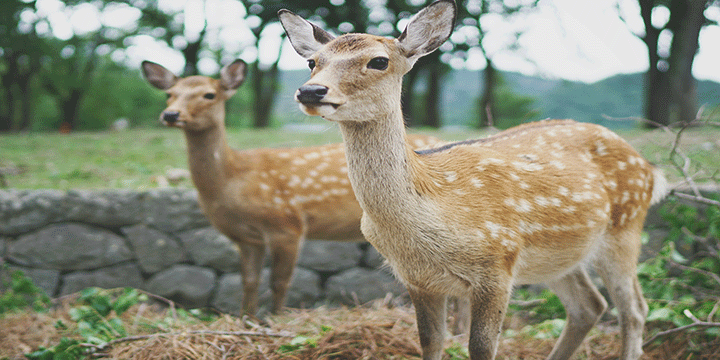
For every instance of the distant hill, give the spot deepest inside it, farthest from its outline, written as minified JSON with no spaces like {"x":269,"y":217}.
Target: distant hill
{"x":619,"y":96}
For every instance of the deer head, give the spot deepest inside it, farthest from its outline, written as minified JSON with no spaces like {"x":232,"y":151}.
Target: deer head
{"x":357,"y":77}
{"x":195,"y":103}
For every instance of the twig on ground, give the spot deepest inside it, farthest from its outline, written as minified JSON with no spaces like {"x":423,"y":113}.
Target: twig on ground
{"x":95,"y":348}
{"x":680,"y":328}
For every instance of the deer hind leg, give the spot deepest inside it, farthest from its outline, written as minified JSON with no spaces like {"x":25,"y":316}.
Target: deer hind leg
{"x":284,"y":252}
{"x":618,"y":267}
{"x":430,"y":311}
{"x":583,"y":304}
{"x":251,"y":263}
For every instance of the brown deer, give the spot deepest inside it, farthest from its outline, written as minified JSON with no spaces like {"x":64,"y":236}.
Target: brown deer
{"x":260,"y":198}
{"x":540,"y":202}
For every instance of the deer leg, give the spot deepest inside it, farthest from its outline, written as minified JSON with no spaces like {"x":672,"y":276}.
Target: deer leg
{"x":251,"y":263}
{"x":488,"y":306}
{"x":583,"y":304}
{"x":284,"y":251}
{"x":430,"y":311}
{"x":618,"y":269}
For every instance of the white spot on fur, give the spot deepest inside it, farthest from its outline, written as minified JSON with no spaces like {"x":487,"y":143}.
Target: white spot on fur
{"x":450,"y":176}
{"x":601,"y":149}
{"x":264,"y":186}
{"x":563,"y":191}
{"x":621,"y":165}
{"x":524,"y":166}
{"x":476,"y":182}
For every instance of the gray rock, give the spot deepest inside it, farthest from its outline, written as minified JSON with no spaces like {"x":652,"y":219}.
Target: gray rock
{"x":125,"y":275}
{"x":26,"y":210}
{"x":188,"y":285}
{"x":154,"y":250}
{"x":173,"y":210}
{"x":108,"y":208}
{"x":3,"y":246}
{"x":361,"y":286}
{"x":69,"y":247}
{"x":373,"y":259}
{"x":330,"y":256}
{"x":304,"y":291}
{"x":229,"y":294}
{"x":208,"y":247}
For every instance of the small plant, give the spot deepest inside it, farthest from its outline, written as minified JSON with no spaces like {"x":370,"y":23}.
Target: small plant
{"x":96,"y":320}
{"x":20,"y":292}
{"x":682,"y":286}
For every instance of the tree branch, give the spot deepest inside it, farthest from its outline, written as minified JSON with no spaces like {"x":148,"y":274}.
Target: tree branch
{"x":680,"y":328}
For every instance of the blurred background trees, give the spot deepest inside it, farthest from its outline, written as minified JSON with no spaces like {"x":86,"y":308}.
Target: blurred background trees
{"x":73,"y":64}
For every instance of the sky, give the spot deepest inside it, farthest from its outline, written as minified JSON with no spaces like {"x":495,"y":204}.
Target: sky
{"x":567,"y":39}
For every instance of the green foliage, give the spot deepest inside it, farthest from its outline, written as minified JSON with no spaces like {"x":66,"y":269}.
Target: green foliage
{"x":20,"y":292}
{"x":511,"y":108}
{"x":457,"y":351}
{"x":97,"y":321}
{"x":549,"y":308}
{"x":678,"y":282}
{"x":298,"y":343}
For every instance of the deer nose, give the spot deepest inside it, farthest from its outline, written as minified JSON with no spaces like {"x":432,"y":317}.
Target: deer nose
{"x":311,"y":93}
{"x":171,"y":116}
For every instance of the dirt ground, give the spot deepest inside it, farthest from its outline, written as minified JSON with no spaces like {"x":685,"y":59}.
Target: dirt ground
{"x":375,"y":331}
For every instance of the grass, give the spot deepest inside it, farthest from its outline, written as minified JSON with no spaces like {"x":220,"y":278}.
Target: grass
{"x":139,"y":158}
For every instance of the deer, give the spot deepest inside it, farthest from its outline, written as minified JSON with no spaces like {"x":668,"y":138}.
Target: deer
{"x":264,"y":200}
{"x":543,"y":202}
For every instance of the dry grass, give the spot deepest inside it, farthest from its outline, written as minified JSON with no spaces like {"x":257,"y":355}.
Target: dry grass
{"x":374,"y":331}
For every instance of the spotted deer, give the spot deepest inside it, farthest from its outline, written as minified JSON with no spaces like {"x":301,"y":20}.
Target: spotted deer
{"x":262,"y":199}
{"x":541,"y":202}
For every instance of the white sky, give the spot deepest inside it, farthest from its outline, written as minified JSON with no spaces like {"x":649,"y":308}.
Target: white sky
{"x":568,"y":39}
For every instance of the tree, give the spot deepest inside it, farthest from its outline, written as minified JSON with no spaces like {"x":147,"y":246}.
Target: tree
{"x":20,"y":49}
{"x":470,"y":18}
{"x":670,"y":88}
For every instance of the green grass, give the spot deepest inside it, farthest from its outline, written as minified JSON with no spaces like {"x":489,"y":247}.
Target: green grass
{"x":134,"y":159}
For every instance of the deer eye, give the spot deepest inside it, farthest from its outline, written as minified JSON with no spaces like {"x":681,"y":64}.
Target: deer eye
{"x":209,"y":96}
{"x":378,"y":63}
{"x":311,"y":64}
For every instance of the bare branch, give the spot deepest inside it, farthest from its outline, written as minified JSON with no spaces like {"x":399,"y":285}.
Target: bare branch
{"x":680,"y":328}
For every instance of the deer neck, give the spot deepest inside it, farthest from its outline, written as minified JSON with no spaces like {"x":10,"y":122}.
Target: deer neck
{"x":208,"y":156}
{"x":379,"y":166}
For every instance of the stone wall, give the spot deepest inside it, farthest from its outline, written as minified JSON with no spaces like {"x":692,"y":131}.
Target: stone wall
{"x":160,"y":241}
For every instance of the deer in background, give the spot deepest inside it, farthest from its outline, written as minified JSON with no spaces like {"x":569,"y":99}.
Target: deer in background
{"x":262,"y":199}
{"x":540,"y":202}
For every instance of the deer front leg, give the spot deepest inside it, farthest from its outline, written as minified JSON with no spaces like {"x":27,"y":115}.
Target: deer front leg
{"x":487,"y":311}
{"x":284,"y":250}
{"x":430,"y":311}
{"x":251,"y":256}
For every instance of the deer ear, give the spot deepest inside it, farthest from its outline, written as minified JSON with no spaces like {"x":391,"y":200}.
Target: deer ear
{"x":428,"y":29}
{"x":158,"y":76}
{"x":232,"y":76}
{"x":305,"y":37}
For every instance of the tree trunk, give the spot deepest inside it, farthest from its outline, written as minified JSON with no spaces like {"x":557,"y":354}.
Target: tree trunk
{"x":432,"y":98}
{"x":487,"y":101}
{"x":265,"y":84}
{"x":657,"y":96}
{"x":688,"y":19}
{"x":408,"y":96}
{"x":70,"y":110}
